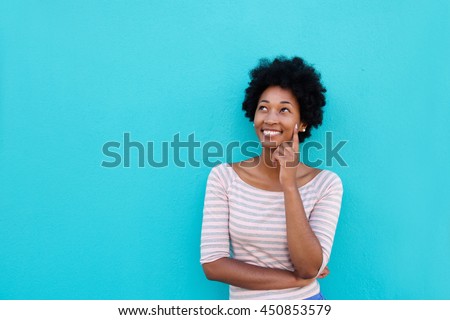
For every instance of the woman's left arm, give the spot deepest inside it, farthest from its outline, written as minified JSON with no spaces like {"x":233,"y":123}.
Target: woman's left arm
{"x":309,"y":242}
{"x":304,"y":248}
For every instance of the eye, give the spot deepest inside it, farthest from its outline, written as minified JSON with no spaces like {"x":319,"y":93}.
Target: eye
{"x":262,"y":108}
{"x":284,"y":110}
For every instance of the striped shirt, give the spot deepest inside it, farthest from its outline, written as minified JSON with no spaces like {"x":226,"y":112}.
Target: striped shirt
{"x":249,"y":224}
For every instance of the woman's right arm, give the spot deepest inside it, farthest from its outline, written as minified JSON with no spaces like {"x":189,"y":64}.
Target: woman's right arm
{"x":215,"y":245}
{"x":244,"y":275}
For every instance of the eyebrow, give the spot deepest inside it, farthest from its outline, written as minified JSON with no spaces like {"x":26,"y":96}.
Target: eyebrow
{"x":280,"y":101}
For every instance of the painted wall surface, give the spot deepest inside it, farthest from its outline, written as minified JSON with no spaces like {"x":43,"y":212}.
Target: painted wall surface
{"x":75,"y":75}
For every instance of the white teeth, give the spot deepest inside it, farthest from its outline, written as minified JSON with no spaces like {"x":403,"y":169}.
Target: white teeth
{"x":271,"y":133}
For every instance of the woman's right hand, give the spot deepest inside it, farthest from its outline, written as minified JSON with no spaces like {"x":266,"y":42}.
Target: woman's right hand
{"x":304,"y":282}
{"x":325,"y":272}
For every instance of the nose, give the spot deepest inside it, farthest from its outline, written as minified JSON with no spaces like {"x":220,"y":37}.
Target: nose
{"x":271,"y":118}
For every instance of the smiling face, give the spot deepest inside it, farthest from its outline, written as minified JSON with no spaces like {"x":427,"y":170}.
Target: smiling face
{"x":276,"y":115}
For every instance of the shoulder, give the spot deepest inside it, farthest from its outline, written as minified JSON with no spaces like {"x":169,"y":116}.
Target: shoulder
{"x":221,"y":173}
{"x":223,"y":168}
{"x":333,"y":177}
{"x":328,"y":181}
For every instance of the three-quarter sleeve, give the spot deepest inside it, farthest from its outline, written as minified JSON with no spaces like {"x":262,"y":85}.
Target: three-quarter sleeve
{"x":325,"y":214}
{"x":215,"y":239}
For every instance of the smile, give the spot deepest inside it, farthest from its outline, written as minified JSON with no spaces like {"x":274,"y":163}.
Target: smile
{"x":271,"y":133}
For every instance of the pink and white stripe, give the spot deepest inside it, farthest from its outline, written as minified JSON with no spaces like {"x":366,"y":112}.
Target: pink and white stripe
{"x":251,"y":222}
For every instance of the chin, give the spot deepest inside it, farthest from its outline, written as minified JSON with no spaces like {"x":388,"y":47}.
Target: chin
{"x":270,"y":144}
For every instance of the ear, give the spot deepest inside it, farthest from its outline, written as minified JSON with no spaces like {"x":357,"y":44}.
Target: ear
{"x":302,"y":127}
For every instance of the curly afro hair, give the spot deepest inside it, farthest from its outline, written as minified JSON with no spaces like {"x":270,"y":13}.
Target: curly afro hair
{"x":294,"y":74}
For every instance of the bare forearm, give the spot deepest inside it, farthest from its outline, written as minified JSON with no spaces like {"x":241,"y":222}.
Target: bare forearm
{"x":304,"y":247}
{"x":244,"y":275}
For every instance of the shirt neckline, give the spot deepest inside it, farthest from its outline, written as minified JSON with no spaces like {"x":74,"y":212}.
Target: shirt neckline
{"x":264,"y":190}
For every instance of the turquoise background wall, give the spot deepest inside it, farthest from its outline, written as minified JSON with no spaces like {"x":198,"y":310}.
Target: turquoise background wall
{"x":75,"y":75}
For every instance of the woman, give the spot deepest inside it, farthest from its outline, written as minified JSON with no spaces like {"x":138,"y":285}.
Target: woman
{"x":269,"y":221}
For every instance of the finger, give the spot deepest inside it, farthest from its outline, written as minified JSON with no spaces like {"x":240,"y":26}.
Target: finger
{"x":286,"y":147}
{"x":290,"y":156}
{"x":323,"y":275}
{"x":295,"y":140}
{"x":278,"y":158}
{"x":281,"y":148}
{"x":274,"y":157}
{"x":286,"y":144}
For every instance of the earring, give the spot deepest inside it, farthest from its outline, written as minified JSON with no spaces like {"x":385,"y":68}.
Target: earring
{"x":304,"y":129}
